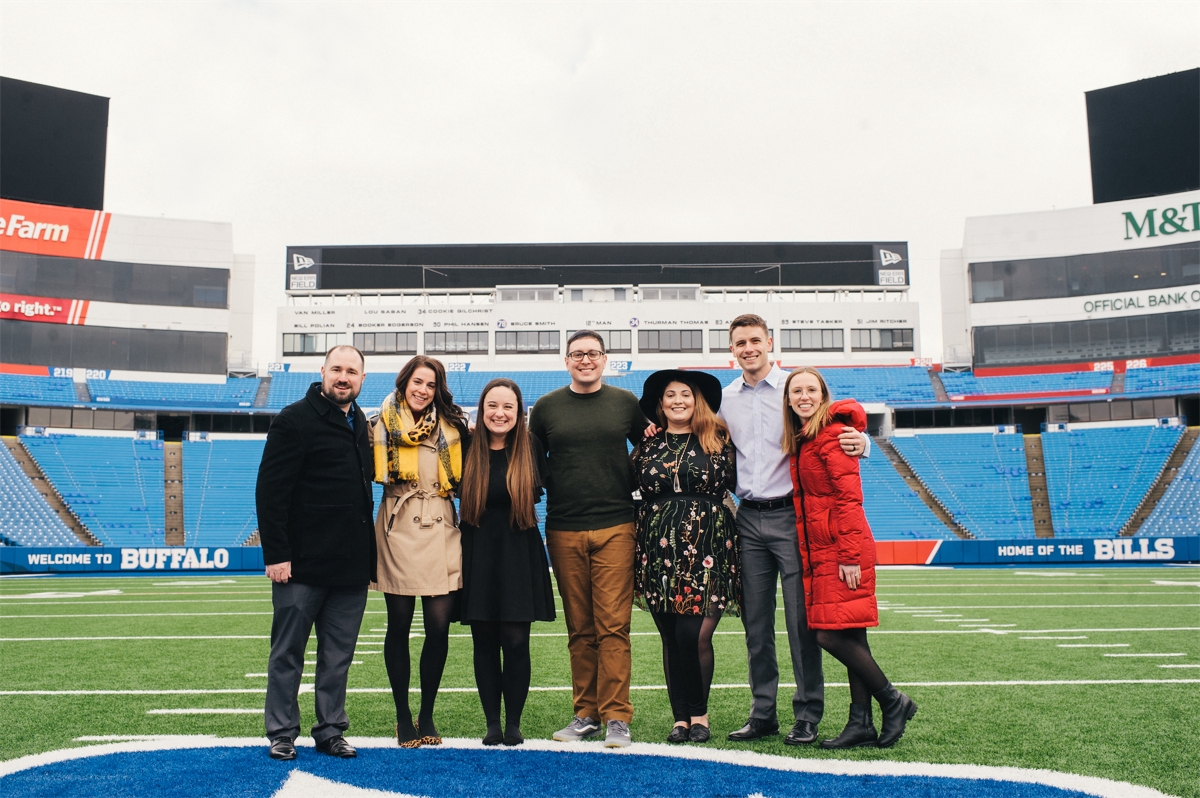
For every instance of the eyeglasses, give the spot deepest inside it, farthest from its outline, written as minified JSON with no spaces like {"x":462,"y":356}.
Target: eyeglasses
{"x":592,"y":354}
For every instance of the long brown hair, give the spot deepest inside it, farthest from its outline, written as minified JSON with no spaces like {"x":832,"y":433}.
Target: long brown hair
{"x":707,"y":426}
{"x":793,"y":430}
{"x":522,"y":479}
{"x":443,"y":400}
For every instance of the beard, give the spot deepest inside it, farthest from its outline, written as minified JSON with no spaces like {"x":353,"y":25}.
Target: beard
{"x":340,"y":393}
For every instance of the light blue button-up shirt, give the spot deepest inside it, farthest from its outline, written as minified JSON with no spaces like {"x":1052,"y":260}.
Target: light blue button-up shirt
{"x":754,"y":416}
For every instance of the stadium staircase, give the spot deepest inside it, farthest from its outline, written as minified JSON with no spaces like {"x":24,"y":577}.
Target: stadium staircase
{"x":82,"y":392}
{"x":44,"y":487}
{"x":173,"y":493}
{"x":264,"y":392}
{"x":1164,"y":481}
{"x":939,"y":390}
{"x":1118,"y":383}
{"x":919,"y":488}
{"x":1035,"y":468}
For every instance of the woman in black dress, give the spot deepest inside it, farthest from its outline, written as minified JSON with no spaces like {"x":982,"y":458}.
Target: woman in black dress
{"x":506,"y":578}
{"x":687,"y":570}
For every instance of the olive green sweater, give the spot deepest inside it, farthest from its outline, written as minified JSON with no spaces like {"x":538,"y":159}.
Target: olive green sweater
{"x":589,"y":482}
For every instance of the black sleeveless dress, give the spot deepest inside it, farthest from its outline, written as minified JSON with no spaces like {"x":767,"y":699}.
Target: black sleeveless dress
{"x":506,"y":576}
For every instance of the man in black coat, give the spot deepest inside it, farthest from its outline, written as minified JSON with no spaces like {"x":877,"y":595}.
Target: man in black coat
{"x":315,"y":513}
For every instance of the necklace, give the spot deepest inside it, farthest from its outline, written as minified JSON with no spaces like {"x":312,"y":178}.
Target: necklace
{"x":679,"y":462}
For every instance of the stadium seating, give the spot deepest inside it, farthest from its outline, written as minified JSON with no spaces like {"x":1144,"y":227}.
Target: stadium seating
{"x":218,"y":491}
{"x":25,"y":517}
{"x":234,"y":393}
{"x":1164,"y":380}
{"x":979,"y":477}
{"x":894,"y":510}
{"x":1097,"y":477}
{"x":963,"y":383}
{"x":114,"y":485}
{"x":1178,"y":511}
{"x":901,"y":385}
{"x":20,"y":389}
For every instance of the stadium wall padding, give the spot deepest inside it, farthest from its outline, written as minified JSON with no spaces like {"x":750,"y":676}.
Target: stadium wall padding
{"x":208,"y":560}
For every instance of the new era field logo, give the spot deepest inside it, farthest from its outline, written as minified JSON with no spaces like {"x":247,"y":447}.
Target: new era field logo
{"x":886,"y":257}
{"x":300,"y":262}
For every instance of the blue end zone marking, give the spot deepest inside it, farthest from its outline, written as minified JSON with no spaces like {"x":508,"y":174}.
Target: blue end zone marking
{"x":437,"y":772}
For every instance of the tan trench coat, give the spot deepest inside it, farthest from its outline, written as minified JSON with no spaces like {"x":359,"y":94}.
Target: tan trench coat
{"x":416,"y":533}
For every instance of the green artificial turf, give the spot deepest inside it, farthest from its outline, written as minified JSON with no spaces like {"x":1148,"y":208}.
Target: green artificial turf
{"x":937,"y":627}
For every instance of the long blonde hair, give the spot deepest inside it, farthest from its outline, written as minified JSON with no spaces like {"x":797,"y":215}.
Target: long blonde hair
{"x":708,"y":428}
{"x":794,"y":431}
{"x":522,"y":478}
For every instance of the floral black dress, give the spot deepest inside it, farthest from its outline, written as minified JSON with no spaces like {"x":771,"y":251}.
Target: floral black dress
{"x":687,"y":548}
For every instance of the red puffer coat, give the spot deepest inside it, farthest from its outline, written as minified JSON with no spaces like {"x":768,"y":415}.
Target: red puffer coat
{"x":833,"y":528}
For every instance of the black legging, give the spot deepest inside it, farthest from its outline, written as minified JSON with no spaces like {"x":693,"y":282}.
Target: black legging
{"x":687,"y":661}
{"x":849,"y":647}
{"x":437,"y":612}
{"x":510,"y":680}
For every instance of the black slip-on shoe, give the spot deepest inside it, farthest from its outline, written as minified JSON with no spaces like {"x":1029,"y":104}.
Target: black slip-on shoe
{"x":282,"y":748}
{"x":337,"y":746}
{"x":754,"y":729}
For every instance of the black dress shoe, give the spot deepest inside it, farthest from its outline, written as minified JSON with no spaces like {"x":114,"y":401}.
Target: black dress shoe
{"x":754,"y":729}
{"x":679,"y":734}
{"x":337,"y":746}
{"x":282,"y":748}
{"x":803,"y":733}
{"x":699,"y":733}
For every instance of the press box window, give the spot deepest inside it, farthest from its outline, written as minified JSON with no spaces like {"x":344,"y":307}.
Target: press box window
{"x":718,"y":340}
{"x":881,"y":340}
{"x":670,"y":340}
{"x":614,"y":340}
{"x":669,"y":295}
{"x":527,"y":343}
{"x":528,"y":294}
{"x":817,"y":340}
{"x":311,"y":343}
{"x":404,"y":343}
{"x":455,"y":342}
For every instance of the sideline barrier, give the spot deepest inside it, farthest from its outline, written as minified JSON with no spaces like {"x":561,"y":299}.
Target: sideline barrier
{"x":160,"y":559}
{"x":1027,"y":551}
{"x":201,"y":559}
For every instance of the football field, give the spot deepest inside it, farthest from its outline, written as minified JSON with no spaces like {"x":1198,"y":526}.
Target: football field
{"x":1085,"y":671}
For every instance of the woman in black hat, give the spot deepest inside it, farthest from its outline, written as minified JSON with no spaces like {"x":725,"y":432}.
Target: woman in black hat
{"x":687,"y":573}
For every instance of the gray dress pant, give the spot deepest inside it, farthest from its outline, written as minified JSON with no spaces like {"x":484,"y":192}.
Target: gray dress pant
{"x":337,"y":613}
{"x":770,"y":553}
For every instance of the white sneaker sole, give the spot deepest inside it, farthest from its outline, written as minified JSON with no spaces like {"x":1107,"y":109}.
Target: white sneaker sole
{"x":571,"y":738}
{"x":610,"y":743}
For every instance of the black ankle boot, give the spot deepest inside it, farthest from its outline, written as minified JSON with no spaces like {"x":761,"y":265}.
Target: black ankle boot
{"x":860,"y":730}
{"x":897,"y":710}
{"x":494,"y":736}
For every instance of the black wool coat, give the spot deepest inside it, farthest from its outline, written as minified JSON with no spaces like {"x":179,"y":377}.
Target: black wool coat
{"x":315,"y":507}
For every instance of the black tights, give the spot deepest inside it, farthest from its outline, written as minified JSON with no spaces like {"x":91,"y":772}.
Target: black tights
{"x":687,"y":661}
{"x":510,"y":680}
{"x":437,"y":612}
{"x":849,"y":647}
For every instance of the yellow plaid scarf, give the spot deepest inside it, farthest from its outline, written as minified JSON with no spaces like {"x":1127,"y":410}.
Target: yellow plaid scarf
{"x":395,"y":437}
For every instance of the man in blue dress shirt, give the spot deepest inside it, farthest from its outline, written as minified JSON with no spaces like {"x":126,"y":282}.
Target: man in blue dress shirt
{"x":752,"y":407}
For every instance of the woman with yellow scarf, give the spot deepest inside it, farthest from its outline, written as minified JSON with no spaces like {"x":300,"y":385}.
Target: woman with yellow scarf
{"x":418,"y":443}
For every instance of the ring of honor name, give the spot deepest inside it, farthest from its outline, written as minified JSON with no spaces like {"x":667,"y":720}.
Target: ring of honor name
{"x":176,"y":765}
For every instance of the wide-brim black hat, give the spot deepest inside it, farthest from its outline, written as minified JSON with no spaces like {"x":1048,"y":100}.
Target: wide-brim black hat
{"x":652,"y":390}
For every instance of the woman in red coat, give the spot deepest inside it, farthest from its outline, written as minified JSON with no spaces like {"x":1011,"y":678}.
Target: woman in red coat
{"x":837,"y":553}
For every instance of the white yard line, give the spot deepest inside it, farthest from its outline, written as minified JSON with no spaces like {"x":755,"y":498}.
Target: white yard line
{"x":1093,"y":645}
{"x":1072,"y":637}
{"x":1176,"y":654}
{"x":956,"y":619}
{"x":231,"y":711}
{"x":1181,"y":665}
{"x":568,"y":688}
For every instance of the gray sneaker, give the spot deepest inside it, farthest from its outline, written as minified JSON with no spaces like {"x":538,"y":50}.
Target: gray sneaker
{"x":578,"y":729}
{"x":618,"y":734}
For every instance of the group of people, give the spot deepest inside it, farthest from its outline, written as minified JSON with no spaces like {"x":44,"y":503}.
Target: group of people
{"x":659,"y":528}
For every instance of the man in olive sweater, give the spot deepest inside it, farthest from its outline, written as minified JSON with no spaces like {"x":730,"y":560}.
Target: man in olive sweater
{"x":590,"y":533}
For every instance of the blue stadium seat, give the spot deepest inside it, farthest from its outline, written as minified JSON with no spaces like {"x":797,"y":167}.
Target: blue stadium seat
{"x":1164,"y":380}
{"x":963,"y":383}
{"x":25,"y":517}
{"x":233,"y":394}
{"x":114,"y":485}
{"x":1097,"y":477}
{"x":218,"y":491}
{"x":19,"y":389}
{"x":894,"y":510}
{"x":1178,"y":511}
{"x":979,"y":477}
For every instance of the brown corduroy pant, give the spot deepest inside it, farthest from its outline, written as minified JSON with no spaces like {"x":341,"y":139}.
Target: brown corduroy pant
{"x":594,"y":571}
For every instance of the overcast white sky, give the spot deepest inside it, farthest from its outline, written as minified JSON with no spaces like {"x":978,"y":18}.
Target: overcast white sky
{"x":391,"y":123}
